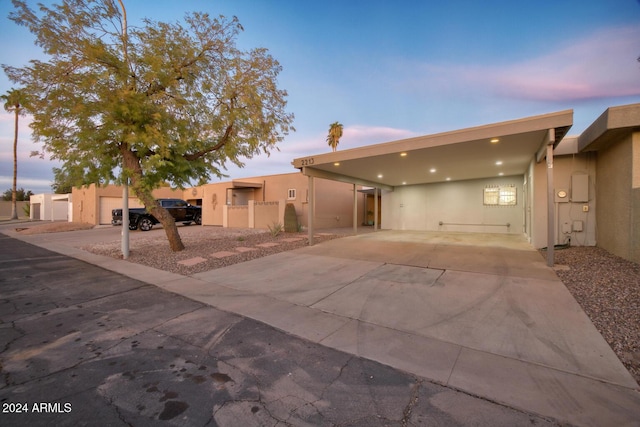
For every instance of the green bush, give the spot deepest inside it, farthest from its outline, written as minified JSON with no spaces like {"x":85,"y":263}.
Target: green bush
{"x":290,"y":219}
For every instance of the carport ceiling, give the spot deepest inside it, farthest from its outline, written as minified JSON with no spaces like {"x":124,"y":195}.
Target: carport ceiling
{"x":504,"y":148}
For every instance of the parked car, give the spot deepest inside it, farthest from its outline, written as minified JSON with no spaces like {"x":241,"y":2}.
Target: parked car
{"x":140,"y":219}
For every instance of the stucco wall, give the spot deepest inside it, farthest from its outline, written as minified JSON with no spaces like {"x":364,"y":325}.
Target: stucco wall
{"x":565,"y":213}
{"x":423,"y":207}
{"x":614,"y":194}
{"x":334,"y":200}
{"x":5,"y":208}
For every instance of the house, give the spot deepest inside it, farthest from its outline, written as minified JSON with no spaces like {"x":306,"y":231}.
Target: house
{"x":522,"y":176}
{"x":256,"y":202}
{"x":246,"y":202}
{"x":51,"y":207}
{"x":92,"y":204}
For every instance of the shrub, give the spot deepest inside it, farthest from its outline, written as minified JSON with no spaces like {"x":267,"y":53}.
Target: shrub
{"x":275,"y":229}
{"x":290,"y":218}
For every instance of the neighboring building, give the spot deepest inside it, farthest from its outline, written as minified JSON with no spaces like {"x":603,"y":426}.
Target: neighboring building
{"x":520,"y":176}
{"x":230,"y":204}
{"x":51,"y":207}
{"x":92,"y":204}
{"x":256,"y":202}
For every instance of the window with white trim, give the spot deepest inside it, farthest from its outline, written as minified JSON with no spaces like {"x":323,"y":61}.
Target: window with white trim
{"x":291,"y":194}
{"x":500,"y":195}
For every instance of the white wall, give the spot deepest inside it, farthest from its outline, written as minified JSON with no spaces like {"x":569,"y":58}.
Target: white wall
{"x":53,"y":207}
{"x":423,"y":207}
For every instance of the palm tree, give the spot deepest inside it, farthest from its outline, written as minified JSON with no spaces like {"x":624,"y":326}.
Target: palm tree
{"x":14,"y":100}
{"x":335,"y":133}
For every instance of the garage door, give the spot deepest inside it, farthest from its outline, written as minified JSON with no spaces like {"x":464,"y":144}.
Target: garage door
{"x":107,"y":204}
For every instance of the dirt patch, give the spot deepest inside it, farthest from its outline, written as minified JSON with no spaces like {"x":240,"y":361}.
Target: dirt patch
{"x":53,"y":227}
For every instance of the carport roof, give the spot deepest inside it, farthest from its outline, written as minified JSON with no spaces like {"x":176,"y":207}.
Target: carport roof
{"x":469,"y":153}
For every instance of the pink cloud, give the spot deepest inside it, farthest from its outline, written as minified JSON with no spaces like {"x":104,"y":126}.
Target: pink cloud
{"x":600,"y":66}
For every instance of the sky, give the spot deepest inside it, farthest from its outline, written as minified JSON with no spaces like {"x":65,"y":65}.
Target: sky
{"x":389,"y":70}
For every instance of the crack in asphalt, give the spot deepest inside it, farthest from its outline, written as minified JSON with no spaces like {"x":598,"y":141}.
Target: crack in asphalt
{"x":406,"y":413}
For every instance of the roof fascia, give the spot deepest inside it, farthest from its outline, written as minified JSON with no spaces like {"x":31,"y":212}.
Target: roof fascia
{"x":613,"y":118}
{"x":561,"y":119}
{"x":319,"y":173}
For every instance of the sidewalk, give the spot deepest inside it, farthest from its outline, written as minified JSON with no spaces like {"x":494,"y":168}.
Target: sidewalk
{"x":479,"y":313}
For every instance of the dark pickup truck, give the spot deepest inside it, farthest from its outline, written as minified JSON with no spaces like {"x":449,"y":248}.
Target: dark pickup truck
{"x":139,"y":218}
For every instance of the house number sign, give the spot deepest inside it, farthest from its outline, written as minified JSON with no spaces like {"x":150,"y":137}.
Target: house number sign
{"x":307,"y":162}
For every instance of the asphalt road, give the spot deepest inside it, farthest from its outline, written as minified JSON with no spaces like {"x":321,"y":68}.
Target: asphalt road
{"x":80,"y":345}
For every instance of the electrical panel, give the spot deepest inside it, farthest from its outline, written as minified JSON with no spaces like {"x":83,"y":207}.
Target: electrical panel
{"x":580,"y":188}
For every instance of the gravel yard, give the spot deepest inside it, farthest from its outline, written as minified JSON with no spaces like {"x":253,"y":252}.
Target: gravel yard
{"x":607,"y":288}
{"x":206,"y":248}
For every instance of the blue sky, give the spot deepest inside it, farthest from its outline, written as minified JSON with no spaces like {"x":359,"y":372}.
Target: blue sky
{"x":394,"y":69}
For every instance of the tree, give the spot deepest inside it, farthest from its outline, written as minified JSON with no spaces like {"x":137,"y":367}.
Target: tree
{"x":62,"y":181}
{"x":335,"y":133}
{"x":20,"y":195}
{"x":14,"y":102}
{"x":163,"y":102}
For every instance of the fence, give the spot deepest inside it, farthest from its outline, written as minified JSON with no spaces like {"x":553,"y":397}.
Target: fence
{"x":254,"y":215}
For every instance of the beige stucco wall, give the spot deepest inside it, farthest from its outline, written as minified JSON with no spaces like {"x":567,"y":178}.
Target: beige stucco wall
{"x":565,"y":213}
{"x":5,"y":208}
{"x":266,"y":214}
{"x":334,"y":200}
{"x":617,"y":200}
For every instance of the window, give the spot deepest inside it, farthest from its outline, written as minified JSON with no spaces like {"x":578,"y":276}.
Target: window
{"x":291,"y":194}
{"x":500,"y":195}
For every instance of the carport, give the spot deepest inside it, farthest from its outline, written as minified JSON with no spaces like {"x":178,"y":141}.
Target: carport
{"x":502,"y":149}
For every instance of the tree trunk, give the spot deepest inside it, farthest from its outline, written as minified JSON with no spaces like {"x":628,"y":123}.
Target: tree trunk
{"x":132,"y":164}
{"x":14,"y":207}
{"x":170,"y":229}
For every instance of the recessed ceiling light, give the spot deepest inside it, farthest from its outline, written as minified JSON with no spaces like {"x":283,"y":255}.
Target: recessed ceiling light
{"x":404,"y":182}
{"x":336,"y":164}
{"x":403,"y":154}
{"x":499,"y":162}
{"x":379,"y":175}
{"x":495,"y":140}
{"x":448,"y":179}
{"x":432,"y":170}
{"x":501,"y":174}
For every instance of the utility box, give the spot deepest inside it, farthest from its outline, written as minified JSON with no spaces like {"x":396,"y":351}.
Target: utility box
{"x":578,"y":226}
{"x":580,"y":188}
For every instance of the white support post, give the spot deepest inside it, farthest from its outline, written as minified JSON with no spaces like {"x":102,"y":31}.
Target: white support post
{"x":355,"y":209}
{"x":551,"y":223}
{"x":125,"y":219}
{"x":375,"y":209}
{"x":311,"y":213}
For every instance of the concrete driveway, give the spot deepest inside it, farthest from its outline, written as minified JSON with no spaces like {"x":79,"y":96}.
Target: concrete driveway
{"x":480,"y":313}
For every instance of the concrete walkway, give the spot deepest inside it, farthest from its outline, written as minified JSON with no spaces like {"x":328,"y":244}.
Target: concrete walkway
{"x":480,"y":313}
